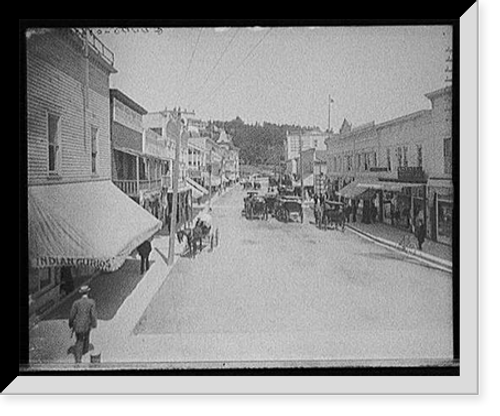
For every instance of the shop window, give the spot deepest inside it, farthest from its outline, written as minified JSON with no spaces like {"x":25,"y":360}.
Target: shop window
{"x":53,"y":137}
{"x":40,"y":279}
{"x":444,"y":220}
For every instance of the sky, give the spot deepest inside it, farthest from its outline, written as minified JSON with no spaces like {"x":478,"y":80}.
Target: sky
{"x":282,"y":74}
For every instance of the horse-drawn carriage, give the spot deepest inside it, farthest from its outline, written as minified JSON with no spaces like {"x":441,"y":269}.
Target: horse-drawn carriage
{"x":329,"y":214}
{"x":288,"y":208}
{"x":203,"y":234}
{"x":254,"y":206}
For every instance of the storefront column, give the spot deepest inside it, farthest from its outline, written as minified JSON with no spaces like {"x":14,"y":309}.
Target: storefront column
{"x":424,"y":196}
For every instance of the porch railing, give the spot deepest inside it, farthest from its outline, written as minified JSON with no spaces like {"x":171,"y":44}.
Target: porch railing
{"x":132,"y":187}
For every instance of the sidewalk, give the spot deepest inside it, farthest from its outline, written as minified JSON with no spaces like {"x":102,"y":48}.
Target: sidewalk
{"x":121,"y":298}
{"x":433,"y":252}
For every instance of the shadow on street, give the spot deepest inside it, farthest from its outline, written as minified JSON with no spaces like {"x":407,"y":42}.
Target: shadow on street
{"x":109,"y":290}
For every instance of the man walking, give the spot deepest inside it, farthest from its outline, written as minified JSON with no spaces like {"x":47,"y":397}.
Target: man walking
{"x":83,"y":317}
{"x":144,"y":249}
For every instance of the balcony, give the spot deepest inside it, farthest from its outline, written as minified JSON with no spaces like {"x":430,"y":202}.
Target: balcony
{"x":132,"y":187}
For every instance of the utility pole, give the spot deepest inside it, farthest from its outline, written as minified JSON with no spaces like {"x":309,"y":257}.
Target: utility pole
{"x":210,"y":179}
{"x":175,"y":179}
{"x":301,"y":170}
{"x":176,"y":129}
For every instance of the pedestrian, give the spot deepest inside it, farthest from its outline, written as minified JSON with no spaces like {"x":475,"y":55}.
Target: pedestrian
{"x":144,"y":249}
{"x":82,"y":319}
{"x":348,"y":211}
{"x":420,"y":229}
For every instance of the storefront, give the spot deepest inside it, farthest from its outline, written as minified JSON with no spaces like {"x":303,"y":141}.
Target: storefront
{"x":441,"y":210}
{"x":80,"y":227}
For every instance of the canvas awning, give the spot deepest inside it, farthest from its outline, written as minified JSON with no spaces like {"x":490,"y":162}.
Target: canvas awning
{"x":354,"y":191}
{"x":308,"y":181}
{"x":391,"y":186}
{"x":85,"y":224}
{"x":365,"y":188}
{"x":195,"y":191}
{"x":197,"y":186}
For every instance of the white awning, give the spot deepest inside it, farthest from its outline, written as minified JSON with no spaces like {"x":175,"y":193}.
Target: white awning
{"x":85,"y":224}
{"x":308,"y":181}
{"x":197,"y":186}
{"x":195,"y":192}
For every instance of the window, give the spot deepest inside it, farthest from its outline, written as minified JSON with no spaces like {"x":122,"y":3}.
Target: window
{"x":40,"y":279}
{"x":375,"y":161}
{"x":93,"y":138}
{"x":405,"y":156}
{"x":53,"y":135}
{"x":419,"y":155}
{"x":399,"y":155}
{"x":389,"y":159}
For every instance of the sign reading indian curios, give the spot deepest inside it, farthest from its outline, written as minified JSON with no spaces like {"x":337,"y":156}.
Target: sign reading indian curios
{"x":47,"y":261}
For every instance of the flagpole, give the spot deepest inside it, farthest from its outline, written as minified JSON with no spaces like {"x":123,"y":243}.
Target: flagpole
{"x":329,"y":104}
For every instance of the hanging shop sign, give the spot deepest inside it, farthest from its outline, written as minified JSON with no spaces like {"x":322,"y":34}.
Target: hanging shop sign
{"x":411,"y":174}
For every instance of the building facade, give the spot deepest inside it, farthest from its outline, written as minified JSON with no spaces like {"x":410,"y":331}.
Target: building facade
{"x":311,"y":139}
{"x":72,"y":203}
{"x":142,"y":158}
{"x":406,"y":162}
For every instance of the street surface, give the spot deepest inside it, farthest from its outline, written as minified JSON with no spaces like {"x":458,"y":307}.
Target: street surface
{"x":276,"y":291}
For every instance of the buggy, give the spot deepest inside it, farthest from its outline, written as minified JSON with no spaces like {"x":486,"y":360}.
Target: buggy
{"x":332,"y":213}
{"x":288,"y":209}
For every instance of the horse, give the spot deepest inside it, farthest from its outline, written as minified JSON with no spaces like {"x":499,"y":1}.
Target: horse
{"x":194,"y":237}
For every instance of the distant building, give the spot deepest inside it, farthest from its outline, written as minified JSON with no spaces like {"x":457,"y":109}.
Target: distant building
{"x":311,"y":139}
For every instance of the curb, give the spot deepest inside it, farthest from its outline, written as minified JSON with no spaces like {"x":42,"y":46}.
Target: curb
{"x":448,"y":265}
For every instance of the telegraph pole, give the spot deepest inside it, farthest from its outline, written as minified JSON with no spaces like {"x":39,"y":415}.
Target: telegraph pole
{"x":179,"y":127}
{"x":176,"y":119}
{"x":210,"y":180}
{"x":301,"y":169}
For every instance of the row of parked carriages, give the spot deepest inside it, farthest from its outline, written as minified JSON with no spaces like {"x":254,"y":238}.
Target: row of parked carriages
{"x":283,"y":207}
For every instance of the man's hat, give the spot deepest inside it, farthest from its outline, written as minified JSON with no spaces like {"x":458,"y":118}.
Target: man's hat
{"x":84,"y":289}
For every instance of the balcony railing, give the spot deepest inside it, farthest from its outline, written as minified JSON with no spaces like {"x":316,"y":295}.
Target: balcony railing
{"x":132,"y":187}
{"x":97,"y":46}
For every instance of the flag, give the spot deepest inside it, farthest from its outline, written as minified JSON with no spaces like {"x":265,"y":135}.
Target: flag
{"x":184,"y":137}
{"x":174,"y":127}
{"x":331,"y":100}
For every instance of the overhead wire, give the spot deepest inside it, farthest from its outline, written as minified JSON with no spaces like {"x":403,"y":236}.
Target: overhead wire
{"x":179,"y":95}
{"x":216,"y":89}
{"x":211,"y":71}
